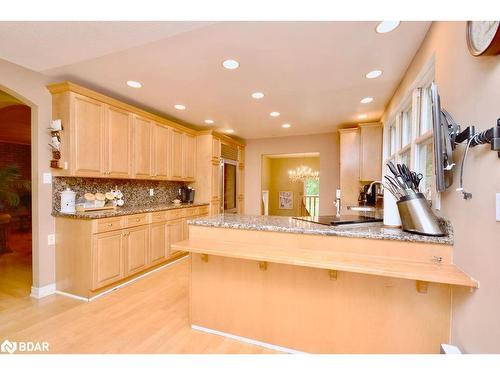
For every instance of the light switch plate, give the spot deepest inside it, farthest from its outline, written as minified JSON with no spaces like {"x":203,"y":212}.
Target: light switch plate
{"x":498,"y":206}
{"x":47,"y":178}
{"x":51,"y":239}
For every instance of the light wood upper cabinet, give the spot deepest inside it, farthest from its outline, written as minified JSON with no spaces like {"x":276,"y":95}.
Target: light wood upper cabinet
{"x":161,"y":152}
{"x":189,"y":156}
{"x":215,"y":148}
{"x":159,"y":243}
{"x":176,"y":169}
{"x":107,"y":259}
{"x":142,"y":129}
{"x":88,"y":136}
{"x":118,"y":143}
{"x":137,"y":242}
{"x":349,"y":166}
{"x":370,"y":156}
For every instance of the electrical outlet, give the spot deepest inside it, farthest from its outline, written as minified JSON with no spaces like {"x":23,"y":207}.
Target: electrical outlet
{"x":47,"y":178}
{"x":151,"y":192}
{"x":498,"y":206}
{"x":51,"y":239}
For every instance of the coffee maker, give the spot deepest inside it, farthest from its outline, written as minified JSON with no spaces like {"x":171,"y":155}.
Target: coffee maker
{"x":186,"y":194}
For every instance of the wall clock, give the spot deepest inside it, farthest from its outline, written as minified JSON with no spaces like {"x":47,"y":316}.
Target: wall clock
{"x":483,"y":37}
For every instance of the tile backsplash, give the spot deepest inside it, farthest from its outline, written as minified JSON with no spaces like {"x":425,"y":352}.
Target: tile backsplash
{"x":135,"y":192}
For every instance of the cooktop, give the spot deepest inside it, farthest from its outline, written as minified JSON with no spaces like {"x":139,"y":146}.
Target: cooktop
{"x":339,"y":220}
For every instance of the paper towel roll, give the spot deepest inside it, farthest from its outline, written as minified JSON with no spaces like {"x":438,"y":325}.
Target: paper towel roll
{"x":391,"y":213}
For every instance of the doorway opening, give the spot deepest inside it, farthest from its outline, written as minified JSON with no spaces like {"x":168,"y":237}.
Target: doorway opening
{"x":15,"y":197}
{"x":290,"y":184}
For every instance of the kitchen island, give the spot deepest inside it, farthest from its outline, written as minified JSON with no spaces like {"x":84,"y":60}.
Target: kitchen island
{"x":300,"y":286}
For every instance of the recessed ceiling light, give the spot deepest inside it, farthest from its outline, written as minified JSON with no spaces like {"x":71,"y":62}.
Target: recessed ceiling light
{"x":258,"y":95}
{"x":367,"y":100}
{"x":209,"y":121}
{"x":230,"y":131}
{"x":386,"y":26}
{"x":373,"y":74}
{"x":286,"y":126}
{"x":362,"y":116}
{"x":180,"y":107}
{"x":134,"y":84}
{"x":274,"y":114}
{"x":230,"y":64}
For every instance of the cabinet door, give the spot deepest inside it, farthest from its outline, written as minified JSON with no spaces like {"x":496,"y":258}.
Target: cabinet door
{"x":142,"y":147}
{"x":176,"y":141}
{"x":370,"y":157}
{"x":189,"y":157}
{"x":159,"y":243}
{"x":161,"y":152}
{"x":88,"y":135}
{"x":107,"y":259}
{"x":215,"y":148}
{"x":137,"y":245}
{"x":349,"y":167}
{"x":118,"y":139}
{"x":176,"y":233}
{"x":216,"y":183}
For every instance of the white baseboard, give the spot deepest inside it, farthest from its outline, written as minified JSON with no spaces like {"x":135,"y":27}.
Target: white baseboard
{"x":247,"y":340}
{"x":80,"y":298}
{"x":43,"y":291}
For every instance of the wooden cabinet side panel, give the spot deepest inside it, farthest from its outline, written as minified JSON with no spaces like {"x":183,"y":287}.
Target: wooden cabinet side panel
{"x":73,"y":255}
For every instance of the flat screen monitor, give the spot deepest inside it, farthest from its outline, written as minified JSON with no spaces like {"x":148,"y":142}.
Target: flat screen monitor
{"x":443,"y":162}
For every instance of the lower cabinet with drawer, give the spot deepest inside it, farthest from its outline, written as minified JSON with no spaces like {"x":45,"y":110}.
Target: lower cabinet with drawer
{"x":92,"y":255}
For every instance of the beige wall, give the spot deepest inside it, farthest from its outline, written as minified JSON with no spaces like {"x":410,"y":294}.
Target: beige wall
{"x":29,"y":87}
{"x":470,"y":91}
{"x":326,"y":144}
{"x":278,"y":181}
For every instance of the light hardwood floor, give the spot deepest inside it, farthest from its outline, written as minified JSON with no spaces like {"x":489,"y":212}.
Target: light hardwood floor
{"x":147,"y":316}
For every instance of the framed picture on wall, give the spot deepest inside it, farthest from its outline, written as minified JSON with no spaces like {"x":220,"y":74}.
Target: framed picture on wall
{"x":286,"y":200}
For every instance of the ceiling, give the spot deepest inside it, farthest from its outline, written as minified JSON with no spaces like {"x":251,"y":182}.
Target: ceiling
{"x":313,"y":73}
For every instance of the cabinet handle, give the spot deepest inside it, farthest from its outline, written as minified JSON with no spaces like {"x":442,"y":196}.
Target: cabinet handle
{"x":137,"y":219}
{"x":110,"y":224}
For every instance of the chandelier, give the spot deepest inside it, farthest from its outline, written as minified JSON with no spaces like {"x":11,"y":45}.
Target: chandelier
{"x":302,"y":173}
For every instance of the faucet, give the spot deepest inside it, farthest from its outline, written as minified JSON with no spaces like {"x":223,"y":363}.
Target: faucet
{"x":371,"y":186}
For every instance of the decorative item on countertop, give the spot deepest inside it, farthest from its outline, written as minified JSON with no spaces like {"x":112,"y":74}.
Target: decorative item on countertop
{"x":68,"y":201}
{"x":414,"y":210}
{"x":55,"y":143}
{"x":99,"y":201}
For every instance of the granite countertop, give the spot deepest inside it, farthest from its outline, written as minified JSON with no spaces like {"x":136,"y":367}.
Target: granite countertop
{"x":126,"y":210}
{"x":289,"y":225}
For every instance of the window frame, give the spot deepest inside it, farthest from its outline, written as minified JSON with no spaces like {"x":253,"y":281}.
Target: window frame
{"x":412,"y":99}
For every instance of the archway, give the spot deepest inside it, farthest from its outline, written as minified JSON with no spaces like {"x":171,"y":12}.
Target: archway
{"x":17,"y":188}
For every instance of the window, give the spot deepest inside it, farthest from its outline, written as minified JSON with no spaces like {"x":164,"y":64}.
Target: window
{"x":406,"y":127}
{"x":426,"y":123}
{"x":426,"y":167}
{"x":413,"y":123}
